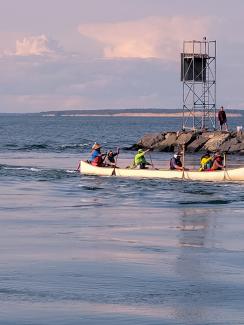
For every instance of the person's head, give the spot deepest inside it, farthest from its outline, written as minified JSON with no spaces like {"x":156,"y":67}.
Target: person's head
{"x":96,"y":146}
{"x":140,"y":151}
{"x":221,"y":108}
{"x":207,"y":154}
{"x":177,"y":155}
{"x":219,"y":158}
{"x":218,"y":155}
{"x":110,"y":153}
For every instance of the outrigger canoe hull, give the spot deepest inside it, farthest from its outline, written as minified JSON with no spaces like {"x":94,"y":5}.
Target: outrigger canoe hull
{"x":233,"y":175}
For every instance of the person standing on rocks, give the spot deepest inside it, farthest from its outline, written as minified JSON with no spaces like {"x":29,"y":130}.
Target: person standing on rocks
{"x":222,"y":119}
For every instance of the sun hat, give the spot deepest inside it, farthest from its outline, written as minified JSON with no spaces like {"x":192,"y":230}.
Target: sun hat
{"x":96,"y":146}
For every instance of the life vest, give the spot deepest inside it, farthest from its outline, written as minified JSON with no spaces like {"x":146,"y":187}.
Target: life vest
{"x":206,"y":163}
{"x":97,"y":161}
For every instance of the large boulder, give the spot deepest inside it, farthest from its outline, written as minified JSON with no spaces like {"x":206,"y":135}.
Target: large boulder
{"x":239,"y":135}
{"x":228,"y":144}
{"x":232,"y":142}
{"x":168,"y":143}
{"x":184,"y":138}
{"x":237,"y":147}
{"x":150,"y":140}
{"x":198,"y":143}
{"x":214,"y":143}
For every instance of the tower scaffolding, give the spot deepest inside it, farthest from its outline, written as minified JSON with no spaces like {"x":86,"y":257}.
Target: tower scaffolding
{"x":198,"y":74}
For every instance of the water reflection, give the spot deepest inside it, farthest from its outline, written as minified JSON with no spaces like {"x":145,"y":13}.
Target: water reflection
{"x":196,"y":227}
{"x":196,"y":236}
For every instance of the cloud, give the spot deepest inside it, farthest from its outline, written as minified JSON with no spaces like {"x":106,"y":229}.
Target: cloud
{"x":40,"y":83}
{"x":36,"y":45}
{"x":151,"y":37}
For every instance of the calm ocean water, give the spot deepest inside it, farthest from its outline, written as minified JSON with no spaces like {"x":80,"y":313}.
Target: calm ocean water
{"x":96,"y":250}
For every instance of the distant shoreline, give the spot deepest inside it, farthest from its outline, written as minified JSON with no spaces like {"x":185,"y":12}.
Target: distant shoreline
{"x":179,"y":114}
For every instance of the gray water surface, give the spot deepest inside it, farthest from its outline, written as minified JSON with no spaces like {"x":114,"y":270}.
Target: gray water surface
{"x":99,"y":250}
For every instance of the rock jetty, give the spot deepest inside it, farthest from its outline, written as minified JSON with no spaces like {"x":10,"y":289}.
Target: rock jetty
{"x":231,"y":142}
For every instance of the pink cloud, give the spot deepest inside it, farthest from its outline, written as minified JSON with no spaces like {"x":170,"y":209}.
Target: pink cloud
{"x":152,"y":37}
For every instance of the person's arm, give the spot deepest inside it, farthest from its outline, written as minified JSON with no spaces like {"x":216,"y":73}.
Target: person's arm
{"x":224,"y":117}
{"x":219,"y":165}
{"x":176,"y":166}
{"x":139,"y":155}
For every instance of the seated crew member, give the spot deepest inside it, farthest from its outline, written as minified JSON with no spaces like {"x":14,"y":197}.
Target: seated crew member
{"x":97,"y":156}
{"x":206,"y":162}
{"x":175,"y":162}
{"x":109,"y":160}
{"x":217,"y":162}
{"x":140,"y":160}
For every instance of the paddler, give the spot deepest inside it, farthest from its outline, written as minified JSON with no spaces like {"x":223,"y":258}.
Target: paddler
{"x":140,"y":160}
{"x":109,"y":160}
{"x":175,"y":162}
{"x":97,"y":157}
{"x":206,"y":162}
{"x":218,"y":162}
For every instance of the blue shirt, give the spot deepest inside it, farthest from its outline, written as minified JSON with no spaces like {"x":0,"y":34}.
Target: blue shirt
{"x":95,"y":153}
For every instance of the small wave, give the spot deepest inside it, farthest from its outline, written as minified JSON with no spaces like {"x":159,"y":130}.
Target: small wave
{"x":21,"y":168}
{"x":91,"y":188}
{"x":41,"y":174}
{"x":10,"y":145}
{"x":53,"y":147}
{"x":214,"y":202}
{"x":71,"y":146}
{"x":26,"y":147}
{"x":33,"y":147}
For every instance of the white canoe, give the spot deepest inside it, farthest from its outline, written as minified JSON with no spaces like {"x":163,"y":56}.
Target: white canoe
{"x":236,"y":174}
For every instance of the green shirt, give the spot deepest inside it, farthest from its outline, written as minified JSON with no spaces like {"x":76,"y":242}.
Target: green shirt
{"x":140,"y":159}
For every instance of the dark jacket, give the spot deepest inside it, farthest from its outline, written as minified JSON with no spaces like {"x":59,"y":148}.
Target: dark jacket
{"x":222,"y":117}
{"x":174,"y":162}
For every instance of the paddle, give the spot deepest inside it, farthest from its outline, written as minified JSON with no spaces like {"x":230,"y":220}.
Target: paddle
{"x":152,"y":161}
{"x":115,"y":165}
{"x":225,"y":171}
{"x":78,"y":167}
{"x":225,"y":161}
{"x":183,"y":162}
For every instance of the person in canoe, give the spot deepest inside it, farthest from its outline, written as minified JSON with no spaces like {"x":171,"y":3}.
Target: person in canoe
{"x":97,"y":157}
{"x":206,"y":162}
{"x":109,"y":160}
{"x":175,"y":162}
{"x":218,"y":162}
{"x":140,"y":160}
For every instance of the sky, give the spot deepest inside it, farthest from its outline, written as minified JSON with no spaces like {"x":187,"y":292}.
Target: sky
{"x":98,"y":54}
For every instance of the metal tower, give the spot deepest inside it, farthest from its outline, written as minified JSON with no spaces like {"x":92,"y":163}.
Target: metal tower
{"x":198,"y":74}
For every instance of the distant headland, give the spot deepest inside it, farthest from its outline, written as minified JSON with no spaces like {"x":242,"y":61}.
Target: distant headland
{"x":136,"y":112}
